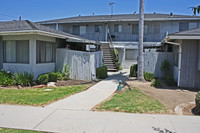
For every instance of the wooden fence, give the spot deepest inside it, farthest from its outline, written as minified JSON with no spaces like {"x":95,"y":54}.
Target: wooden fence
{"x":82,"y":64}
{"x":153,"y":60}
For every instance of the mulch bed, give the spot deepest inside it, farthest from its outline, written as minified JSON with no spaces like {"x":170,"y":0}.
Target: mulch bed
{"x":190,"y":110}
{"x":69,"y":82}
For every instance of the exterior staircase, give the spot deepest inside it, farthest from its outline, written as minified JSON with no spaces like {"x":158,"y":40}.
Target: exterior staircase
{"x":108,"y":59}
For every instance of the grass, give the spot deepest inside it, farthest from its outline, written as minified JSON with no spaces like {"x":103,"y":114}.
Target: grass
{"x":37,"y":96}
{"x":6,"y":130}
{"x":133,"y":101}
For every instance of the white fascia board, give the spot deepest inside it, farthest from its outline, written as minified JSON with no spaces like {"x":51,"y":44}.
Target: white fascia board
{"x":123,"y":20}
{"x":170,"y":37}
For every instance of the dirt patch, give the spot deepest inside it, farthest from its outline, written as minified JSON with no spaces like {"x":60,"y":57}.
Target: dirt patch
{"x":190,"y":110}
{"x":170,"y":97}
{"x":69,"y":82}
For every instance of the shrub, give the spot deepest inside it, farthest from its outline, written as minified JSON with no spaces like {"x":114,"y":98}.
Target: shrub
{"x":133,"y":70}
{"x":66,"y":72}
{"x":148,"y":76}
{"x":197,"y":101}
{"x":119,"y":67}
{"x":156,"y":83}
{"x":170,"y":80}
{"x":59,"y":75}
{"x":24,"y":79}
{"x":101,"y":72}
{"x":6,"y":79}
{"x":52,"y":77}
{"x":116,"y":55}
{"x":43,"y":78}
{"x":165,"y":67}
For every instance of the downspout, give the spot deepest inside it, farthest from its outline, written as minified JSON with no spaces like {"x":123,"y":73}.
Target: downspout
{"x":179,"y":64}
{"x":56,"y":26}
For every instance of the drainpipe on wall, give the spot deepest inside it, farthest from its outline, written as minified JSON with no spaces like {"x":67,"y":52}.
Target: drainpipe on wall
{"x":179,"y":64}
{"x":56,"y":26}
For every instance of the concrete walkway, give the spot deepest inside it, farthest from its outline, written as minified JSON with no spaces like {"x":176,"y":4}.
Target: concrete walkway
{"x":63,"y":116}
{"x":86,"y":100}
{"x":66,"y":121}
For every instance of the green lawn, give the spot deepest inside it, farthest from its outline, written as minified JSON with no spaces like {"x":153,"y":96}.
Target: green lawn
{"x":133,"y":101}
{"x":6,"y":130}
{"x":37,"y":97}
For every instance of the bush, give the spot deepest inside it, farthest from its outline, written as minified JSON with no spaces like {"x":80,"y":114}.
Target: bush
{"x":66,"y":72}
{"x":116,"y":55}
{"x":165,"y":67}
{"x":101,"y":72}
{"x":148,"y":76}
{"x":6,"y":79}
{"x":156,"y":83}
{"x":43,"y":78}
{"x":133,"y":70}
{"x":119,"y":67}
{"x":24,"y":79}
{"x":59,"y":75}
{"x":197,"y":101}
{"x":53,"y":77}
{"x":170,"y":80}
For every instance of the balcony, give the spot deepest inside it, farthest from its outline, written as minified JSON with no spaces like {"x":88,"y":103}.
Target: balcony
{"x":125,"y":37}
{"x":134,"y":37}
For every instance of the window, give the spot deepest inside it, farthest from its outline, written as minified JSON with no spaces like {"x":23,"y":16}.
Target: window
{"x":135,"y":28}
{"x":183,"y":26}
{"x":97,"y":28}
{"x":131,"y":54}
{"x":16,"y":51}
{"x":117,"y":28}
{"x":45,"y":52}
{"x":79,"y":30}
{"x":76,"y":30}
{"x":146,"y":29}
{"x":156,"y":28}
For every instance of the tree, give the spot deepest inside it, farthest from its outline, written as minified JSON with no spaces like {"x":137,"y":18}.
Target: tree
{"x":140,"y":75}
{"x":196,"y":9}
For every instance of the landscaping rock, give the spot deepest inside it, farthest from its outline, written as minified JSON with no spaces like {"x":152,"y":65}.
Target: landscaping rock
{"x":19,"y":87}
{"x":51,"y":84}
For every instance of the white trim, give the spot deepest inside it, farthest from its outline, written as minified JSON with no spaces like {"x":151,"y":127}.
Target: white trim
{"x":122,"y":20}
{"x":184,"y":37}
{"x":179,"y":64}
{"x":37,"y":32}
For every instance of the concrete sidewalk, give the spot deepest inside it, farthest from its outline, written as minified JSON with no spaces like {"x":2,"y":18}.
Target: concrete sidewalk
{"x":66,"y":121}
{"x":86,"y":100}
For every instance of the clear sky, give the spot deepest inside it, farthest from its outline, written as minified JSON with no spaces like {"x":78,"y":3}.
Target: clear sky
{"x":37,"y":10}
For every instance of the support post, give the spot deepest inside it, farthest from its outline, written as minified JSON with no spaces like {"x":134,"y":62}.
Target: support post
{"x":179,"y":64}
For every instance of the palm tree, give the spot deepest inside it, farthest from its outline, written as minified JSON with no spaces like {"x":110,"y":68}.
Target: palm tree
{"x":140,"y":75}
{"x":196,"y":9}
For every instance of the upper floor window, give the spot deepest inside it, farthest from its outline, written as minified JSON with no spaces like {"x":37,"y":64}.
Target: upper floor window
{"x":117,"y":28}
{"x":135,"y":28}
{"x":76,"y":30}
{"x":97,"y":28}
{"x":16,"y":51}
{"x":79,"y":30}
{"x":183,"y":26}
{"x":45,"y":52}
{"x":156,"y":28}
{"x":146,"y":29}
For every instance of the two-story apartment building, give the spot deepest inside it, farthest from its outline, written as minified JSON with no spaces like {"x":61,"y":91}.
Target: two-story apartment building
{"x":123,"y":30}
